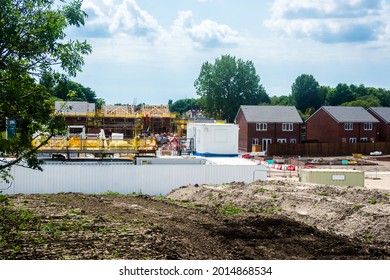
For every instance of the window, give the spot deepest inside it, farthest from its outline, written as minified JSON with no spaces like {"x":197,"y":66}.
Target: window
{"x":368,"y":126}
{"x":287,"y":127}
{"x":364,"y":139}
{"x":352,"y":140}
{"x":261,"y":126}
{"x":281,"y":141}
{"x":348,"y":126}
{"x":293,"y":141}
{"x":255,"y":141}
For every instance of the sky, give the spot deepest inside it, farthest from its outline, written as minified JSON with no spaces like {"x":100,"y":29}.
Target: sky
{"x":151,"y":51}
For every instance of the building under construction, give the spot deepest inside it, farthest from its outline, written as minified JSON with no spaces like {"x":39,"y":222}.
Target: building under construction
{"x":126,"y":120}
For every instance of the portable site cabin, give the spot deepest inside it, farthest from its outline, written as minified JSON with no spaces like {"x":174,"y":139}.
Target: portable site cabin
{"x":214,"y":139}
{"x":336,"y":177}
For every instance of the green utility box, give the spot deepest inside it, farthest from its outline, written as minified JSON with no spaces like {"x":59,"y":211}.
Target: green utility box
{"x":337,"y":177}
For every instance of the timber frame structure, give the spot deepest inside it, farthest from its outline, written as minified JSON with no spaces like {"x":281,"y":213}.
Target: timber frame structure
{"x":149,"y":119}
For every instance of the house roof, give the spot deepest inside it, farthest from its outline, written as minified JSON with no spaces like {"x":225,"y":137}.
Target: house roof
{"x":344,"y":114}
{"x":382,"y":112}
{"x":270,"y":114}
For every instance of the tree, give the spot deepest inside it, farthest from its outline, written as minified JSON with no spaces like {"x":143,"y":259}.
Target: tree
{"x":281,"y":100}
{"x":72,"y":91}
{"x":305,"y":92}
{"x":33,"y":46}
{"x":341,"y":94}
{"x":227,"y":84}
{"x":365,"y":102}
{"x":183,"y":105}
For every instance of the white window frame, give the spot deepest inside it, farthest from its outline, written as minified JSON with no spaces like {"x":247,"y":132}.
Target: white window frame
{"x":293,"y":141}
{"x":367,"y":126}
{"x":261,"y":126}
{"x":287,"y":127}
{"x":364,"y":139}
{"x":352,"y":140}
{"x":255,"y":141}
{"x":348,"y":126}
{"x":281,"y":140}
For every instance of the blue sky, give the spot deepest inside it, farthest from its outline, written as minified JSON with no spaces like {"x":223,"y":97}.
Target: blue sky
{"x":150,"y":51}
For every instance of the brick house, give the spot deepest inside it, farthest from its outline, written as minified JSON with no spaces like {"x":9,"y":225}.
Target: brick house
{"x":334,"y":124}
{"x":382,"y":114}
{"x":263,"y":125}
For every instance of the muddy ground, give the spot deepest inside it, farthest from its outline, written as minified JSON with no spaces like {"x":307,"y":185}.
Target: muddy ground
{"x":276,"y":219}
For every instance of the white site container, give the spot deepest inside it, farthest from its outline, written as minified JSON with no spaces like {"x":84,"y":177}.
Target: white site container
{"x":214,"y":139}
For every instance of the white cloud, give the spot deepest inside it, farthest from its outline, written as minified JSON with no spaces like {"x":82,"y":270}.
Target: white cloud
{"x":118,"y":18}
{"x":329,"y":21}
{"x":108,"y":18}
{"x":206,"y":34}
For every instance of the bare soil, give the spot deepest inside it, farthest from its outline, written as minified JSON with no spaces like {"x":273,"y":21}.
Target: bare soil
{"x":275,"y":219}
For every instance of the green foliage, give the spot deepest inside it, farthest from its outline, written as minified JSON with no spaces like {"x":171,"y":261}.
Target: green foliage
{"x":14,"y":225}
{"x":226,"y":85}
{"x":183,"y":105}
{"x":324,"y":193}
{"x":109,"y":192}
{"x":368,"y":237}
{"x":261,"y":190}
{"x":229,"y":209}
{"x":4,"y":200}
{"x":364,"y":101}
{"x":72,"y":91}
{"x":357,"y":207}
{"x":373,"y":201}
{"x":305,"y":93}
{"x":33,"y":43}
{"x":282,"y":100}
{"x":353,"y":95}
{"x":159,"y":197}
{"x":341,"y":94}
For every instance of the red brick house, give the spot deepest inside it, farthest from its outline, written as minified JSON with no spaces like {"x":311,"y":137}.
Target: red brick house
{"x":334,"y":124}
{"x":382,"y":114}
{"x":262,"y":125}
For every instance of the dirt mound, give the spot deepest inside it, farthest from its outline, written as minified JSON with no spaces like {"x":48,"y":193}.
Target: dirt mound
{"x":263,"y":220}
{"x":347,"y":211}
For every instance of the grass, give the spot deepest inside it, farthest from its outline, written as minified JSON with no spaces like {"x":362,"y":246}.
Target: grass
{"x":229,"y":209}
{"x":368,"y":237}
{"x":373,"y":201}
{"x":357,"y":207}
{"x":109,"y":192}
{"x":159,"y":197}
{"x":261,"y":190}
{"x":324,"y":193}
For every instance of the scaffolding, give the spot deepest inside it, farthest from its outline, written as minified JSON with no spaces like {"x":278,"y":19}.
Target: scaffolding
{"x":148,"y":120}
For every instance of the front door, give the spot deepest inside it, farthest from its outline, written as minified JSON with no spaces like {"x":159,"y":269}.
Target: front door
{"x":265,"y":143}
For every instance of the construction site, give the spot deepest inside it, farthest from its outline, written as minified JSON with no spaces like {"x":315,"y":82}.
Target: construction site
{"x":124,"y":131}
{"x":110,"y":201}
